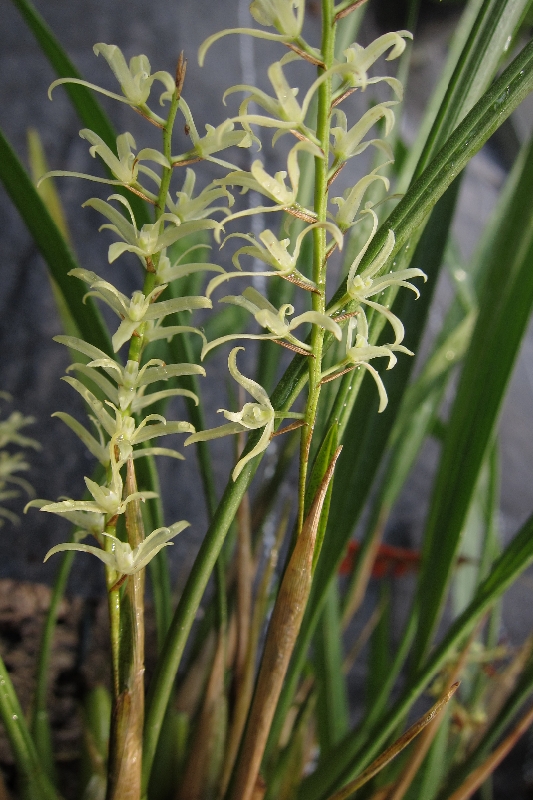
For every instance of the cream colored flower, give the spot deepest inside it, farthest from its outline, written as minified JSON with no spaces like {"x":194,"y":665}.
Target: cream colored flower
{"x":123,"y":558}
{"x":276,"y":254}
{"x":139,"y":308}
{"x":253,"y":416}
{"x":360,"y":287}
{"x":274,"y":320}
{"x":360,"y":352}
{"x":135,"y":80}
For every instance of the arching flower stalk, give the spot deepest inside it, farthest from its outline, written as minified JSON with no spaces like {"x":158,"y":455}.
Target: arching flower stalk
{"x":252,"y":416}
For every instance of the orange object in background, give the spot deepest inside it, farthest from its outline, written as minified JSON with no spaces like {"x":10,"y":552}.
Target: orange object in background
{"x":390,"y":560}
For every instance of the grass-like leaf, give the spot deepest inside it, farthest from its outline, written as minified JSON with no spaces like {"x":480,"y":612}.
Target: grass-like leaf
{"x":87,"y":107}
{"x":497,"y":103}
{"x":52,"y":246}
{"x":506,"y":302}
{"x":348,"y":757}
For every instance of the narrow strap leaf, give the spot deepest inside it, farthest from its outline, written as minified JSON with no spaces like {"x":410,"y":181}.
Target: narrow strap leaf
{"x":52,"y":246}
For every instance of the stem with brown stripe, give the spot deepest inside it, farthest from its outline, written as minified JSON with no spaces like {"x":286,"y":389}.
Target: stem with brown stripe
{"x":125,"y":757}
{"x":281,"y":636}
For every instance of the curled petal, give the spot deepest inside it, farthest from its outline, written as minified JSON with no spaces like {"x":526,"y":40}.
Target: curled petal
{"x":253,"y":388}
{"x":397,"y":326}
{"x":215,"y":433}
{"x":103,"y":555}
{"x":204,"y":47}
{"x":383,"y":399}
{"x":322,"y":320}
{"x":261,"y":445}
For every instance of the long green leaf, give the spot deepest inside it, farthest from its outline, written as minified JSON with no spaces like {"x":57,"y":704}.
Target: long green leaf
{"x":363,"y":446}
{"x":505,"y":307}
{"x":52,"y":247}
{"x":332,"y":697}
{"x":348,"y":759}
{"x":34,"y":779}
{"x":489,"y":39}
{"x":87,"y":107}
{"x":506,"y":93}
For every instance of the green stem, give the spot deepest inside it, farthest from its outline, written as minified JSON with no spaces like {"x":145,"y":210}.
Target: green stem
{"x":137,"y":342}
{"x":125,"y":754}
{"x":27,"y":759}
{"x":319,"y":249}
{"x":40,"y":726}
{"x":113,"y":599}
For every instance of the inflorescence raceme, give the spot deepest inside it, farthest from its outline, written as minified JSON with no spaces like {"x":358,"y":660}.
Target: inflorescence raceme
{"x":119,"y":392}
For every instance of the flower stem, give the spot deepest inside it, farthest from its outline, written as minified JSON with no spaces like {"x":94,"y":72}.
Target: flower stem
{"x":125,"y":759}
{"x":113,"y":599}
{"x":319,"y":249}
{"x":136,"y":344}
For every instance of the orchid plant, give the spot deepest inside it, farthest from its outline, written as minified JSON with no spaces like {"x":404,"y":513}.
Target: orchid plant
{"x":260,"y":713}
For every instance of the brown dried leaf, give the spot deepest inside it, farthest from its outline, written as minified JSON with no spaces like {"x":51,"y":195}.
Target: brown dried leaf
{"x":281,"y":636}
{"x":391,"y":752}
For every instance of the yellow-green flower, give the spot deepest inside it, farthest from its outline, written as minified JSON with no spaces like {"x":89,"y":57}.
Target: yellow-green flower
{"x":286,"y":16}
{"x":274,"y":320}
{"x":106,"y":500}
{"x":135,"y":79}
{"x":253,"y":416}
{"x":125,"y":166}
{"x":360,"y":352}
{"x":360,"y":287}
{"x":123,"y":558}
{"x":152,"y":238}
{"x":139,"y":308}
{"x":276,"y":254}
